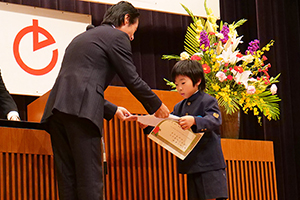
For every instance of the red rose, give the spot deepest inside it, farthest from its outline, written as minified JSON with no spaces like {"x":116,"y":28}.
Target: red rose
{"x":238,"y":69}
{"x":264,"y":58}
{"x":206,"y":68}
{"x":229,"y":77}
{"x":239,"y":55}
{"x":195,"y":57}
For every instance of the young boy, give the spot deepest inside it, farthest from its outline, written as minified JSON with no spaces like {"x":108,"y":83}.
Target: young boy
{"x":204,"y":166}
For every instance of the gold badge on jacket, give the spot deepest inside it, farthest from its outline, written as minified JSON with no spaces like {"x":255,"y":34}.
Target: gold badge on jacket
{"x":216,"y":115}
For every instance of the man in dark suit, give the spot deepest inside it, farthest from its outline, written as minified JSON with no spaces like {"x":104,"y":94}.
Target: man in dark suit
{"x":8,"y":107}
{"x":76,"y":106}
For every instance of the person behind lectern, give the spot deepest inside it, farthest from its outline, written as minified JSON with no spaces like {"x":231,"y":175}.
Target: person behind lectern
{"x":8,"y":107}
{"x":76,"y":106}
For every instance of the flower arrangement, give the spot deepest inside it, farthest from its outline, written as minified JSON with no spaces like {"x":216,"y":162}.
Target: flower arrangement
{"x":237,"y":80}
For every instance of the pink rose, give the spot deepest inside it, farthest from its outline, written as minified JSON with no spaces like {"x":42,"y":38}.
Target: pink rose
{"x":221,"y":76}
{"x":251,"y":89}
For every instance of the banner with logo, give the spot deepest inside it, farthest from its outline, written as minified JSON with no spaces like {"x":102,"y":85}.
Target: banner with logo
{"x":32,"y":45}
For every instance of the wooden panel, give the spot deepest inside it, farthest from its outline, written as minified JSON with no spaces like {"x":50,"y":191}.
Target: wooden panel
{"x":26,"y":176}
{"x":248,"y":149}
{"x":251,"y":180}
{"x":35,"y":109}
{"x":137,"y":167}
{"x":16,"y":140}
{"x":124,"y":98}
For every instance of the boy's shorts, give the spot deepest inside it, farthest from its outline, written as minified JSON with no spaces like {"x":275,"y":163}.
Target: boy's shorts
{"x":207,"y":185}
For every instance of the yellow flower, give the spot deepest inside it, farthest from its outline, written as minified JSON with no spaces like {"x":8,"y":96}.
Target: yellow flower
{"x":216,"y":87}
{"x":215,"y":67}
{"x":255,"y":111}
{"x":199,"y":25}
{"x":213,"y":19}
{"x":232,"y":31}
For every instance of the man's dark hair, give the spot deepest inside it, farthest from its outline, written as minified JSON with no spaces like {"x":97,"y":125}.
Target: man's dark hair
{"x":191,"y":69}
{"x":115,"y":14}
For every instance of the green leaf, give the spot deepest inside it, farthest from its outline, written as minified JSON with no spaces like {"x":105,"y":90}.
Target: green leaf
{"x":170,"y":57}
{"x":191,"y":44}
{"x":170,"y":83}
{"x":206,"y":9}
{"x":239,"y":23}
{"x":189,"y":12}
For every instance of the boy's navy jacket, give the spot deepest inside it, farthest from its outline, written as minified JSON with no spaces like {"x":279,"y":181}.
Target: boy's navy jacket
{"x":207,"y":154}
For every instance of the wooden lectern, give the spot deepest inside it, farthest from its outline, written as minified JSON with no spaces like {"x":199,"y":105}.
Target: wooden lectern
{"x":137,"y":167}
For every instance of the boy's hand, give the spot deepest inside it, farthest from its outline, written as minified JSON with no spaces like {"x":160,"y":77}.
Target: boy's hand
{"x":142,"y":126}
{"x":186,"y":122}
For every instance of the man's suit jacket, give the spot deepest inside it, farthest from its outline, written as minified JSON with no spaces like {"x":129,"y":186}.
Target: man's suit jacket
{"x":7,"y":103}
{"x":207,"y":154}
{"x":90,"y":62}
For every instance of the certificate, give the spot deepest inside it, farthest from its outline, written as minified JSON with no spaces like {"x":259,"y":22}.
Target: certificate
{"x":169,"y":134}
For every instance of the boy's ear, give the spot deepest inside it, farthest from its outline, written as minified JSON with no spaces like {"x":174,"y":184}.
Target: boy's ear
{"x":198,"y":83}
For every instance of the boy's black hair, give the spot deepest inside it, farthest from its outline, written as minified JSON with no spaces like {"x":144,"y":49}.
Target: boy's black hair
{"x":115,"y":14}
{"x":190,"y":68}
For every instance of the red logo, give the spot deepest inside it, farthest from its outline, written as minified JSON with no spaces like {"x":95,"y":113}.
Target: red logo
{"x":35,"y":29}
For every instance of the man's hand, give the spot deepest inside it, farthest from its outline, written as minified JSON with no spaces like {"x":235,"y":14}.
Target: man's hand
{"x":162,"y":112}
{"x":15,"y":118}
{"x":186,"y":122}
{"x":124,"y":115}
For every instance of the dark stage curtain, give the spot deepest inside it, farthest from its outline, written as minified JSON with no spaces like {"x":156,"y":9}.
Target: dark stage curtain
{"x":278,"y":20}
{"x":161,"y":33}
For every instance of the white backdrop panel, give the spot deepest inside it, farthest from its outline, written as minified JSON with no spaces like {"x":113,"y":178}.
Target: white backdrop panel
{"x":171,"y":6}
{"x":32,"y":45}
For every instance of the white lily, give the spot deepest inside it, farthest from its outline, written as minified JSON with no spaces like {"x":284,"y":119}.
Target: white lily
{"x":236,"y":42}
{"x":242,"y":78}
{"x":227,"y":44}
{"x":219,"y":48}
{"x":209,"y":27}
{"x":248,"y":58}
{"x":220,"y":35}
{"x":228,"y":56}
{"x":233,"y":42}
